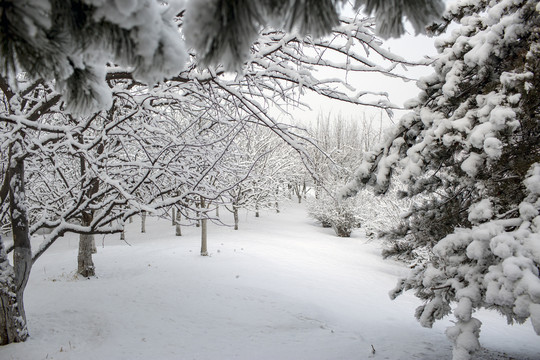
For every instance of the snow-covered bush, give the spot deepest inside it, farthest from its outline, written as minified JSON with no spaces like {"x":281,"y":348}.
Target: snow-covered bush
{"x":342,"y":216}
{"x":379,"y":214}
{"x":320,"y":211}
{"x":375,"y":214}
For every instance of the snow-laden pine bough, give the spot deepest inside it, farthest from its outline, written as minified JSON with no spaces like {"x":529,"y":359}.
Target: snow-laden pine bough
{"x":471,"y":147}
{"x":85,"y":146}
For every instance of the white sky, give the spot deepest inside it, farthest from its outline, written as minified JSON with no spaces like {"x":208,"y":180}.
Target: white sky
{"x":411,"y":48}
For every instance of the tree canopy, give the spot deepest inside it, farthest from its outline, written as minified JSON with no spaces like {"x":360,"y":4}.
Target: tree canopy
{"x":72,"y":41}
{"x":470,"y":152}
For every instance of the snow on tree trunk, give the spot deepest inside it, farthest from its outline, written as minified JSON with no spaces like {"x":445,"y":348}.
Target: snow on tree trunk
{"x":143,"y":221}
{"x":84,"y":259}
{"x":13,"y":279}
{"x":178,"y":228}
{"x":123,"y":233}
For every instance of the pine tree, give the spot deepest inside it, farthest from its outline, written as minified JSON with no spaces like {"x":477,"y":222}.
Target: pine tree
{"x":470,"y":148}
{"x":71,"y":41}
{"x":222,"y":31}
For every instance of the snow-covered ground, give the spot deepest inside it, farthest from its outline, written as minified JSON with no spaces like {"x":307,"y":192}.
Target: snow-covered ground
{"x":281,"y":287}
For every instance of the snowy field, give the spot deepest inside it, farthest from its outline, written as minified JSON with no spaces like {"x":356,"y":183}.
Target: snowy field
{"x":279,"y":288}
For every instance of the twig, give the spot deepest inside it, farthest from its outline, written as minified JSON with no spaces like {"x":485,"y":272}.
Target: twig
{"x":441,"y":287}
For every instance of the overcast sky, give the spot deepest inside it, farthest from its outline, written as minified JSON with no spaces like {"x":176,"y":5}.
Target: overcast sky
{"x":409,"y":46}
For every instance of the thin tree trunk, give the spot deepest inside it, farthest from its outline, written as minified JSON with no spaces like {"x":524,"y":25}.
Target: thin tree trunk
{"x":291,"y":190}
{"x":217,"y":211}
{"x":84,"y":259}
{"x":143,"y":221}
{"x":235,"y":214}
{"x":198,"y":215}
{"x":204,"y":243}
{"x":178,"y":228}
{"x":173,"y":216}
{"x":317,"y":190}
{"x":257,"y":210}
{"x":13,"y":279}
{"x":123,"y":233}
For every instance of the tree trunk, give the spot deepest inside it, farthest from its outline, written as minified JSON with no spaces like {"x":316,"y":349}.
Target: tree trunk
{"x":84,"y":259}
{"x":143,"y":221}
{"x":94,"y":247}
{"x":173,"y":216}
{"x":12,"y":316}
{"x":204,"y":247}
{"x":204,"y":243}
{"x":235,"y":214}
{"x":123,"y":233}
{"x":87,"y":242}
{"x":217,"y":211}
{"x":317,"y":190}
{"x":257,"y":210}
{"x":13,"y":279}
{"x":178,"y":228}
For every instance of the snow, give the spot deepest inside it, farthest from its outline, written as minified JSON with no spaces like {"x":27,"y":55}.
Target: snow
{"x":281,"y":287}
{"x":533,"y":180}
{"x":535,"y":317}
{"x":480,"y":211}
{"x":472,"y":164}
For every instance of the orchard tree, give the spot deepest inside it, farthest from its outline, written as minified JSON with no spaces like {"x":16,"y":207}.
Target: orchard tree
{"x":261,"y":167}
{"x":471,"y":145}
{"x":73,"y":42}
{"x":86,"y":175}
